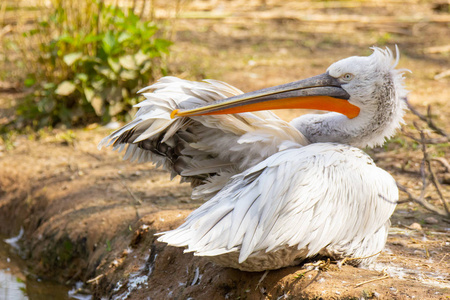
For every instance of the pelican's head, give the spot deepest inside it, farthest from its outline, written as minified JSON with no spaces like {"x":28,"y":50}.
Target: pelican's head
{"x":376,"y":88}
{"x":370,"y":80}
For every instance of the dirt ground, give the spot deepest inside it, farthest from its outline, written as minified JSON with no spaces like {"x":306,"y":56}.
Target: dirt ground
{"x":89,"y":216}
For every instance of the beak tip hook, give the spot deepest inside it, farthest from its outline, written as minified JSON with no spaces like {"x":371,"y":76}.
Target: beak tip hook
{"x":174,"y":113}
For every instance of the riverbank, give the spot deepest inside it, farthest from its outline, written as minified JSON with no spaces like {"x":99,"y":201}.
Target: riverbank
{"x":89,"y":216}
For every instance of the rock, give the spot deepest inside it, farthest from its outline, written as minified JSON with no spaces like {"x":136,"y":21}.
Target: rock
{"x":415,"y":226}
{"x":400,"y":242}
{"x":431,"y":220}
{"x":446,"y":179}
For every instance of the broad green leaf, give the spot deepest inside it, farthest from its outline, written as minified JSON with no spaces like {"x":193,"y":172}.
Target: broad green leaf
{"x":66,"y":38}
{"x":115,"y":108}
{"x":49,"y":105}
{"x":109,"y":42}
{"x":97,"y":104}
{"x":146,"y":67}
{"x":43,"y":24}
{"x":124,"y":36}
{"x":89,"y":93}
{"x":65,"y":88}
{"x":114,"y":64}
{"x":128,"y":75}
{"x":31,"y":32}
{"x":127,"y":61}
{"x":154,"y":53}
{"x":91,"y":38}
{"x":29,"y":82}
{"x":46,"y":105}
{"x":132,"y":18}
{"x":148,"y":32}
{"x":70,"y":58}
{"x":125,"y":93}
{"x":163,"y":45}
{"x":82,"y":77}
{"x":66,"y":115}
{"x":107,"y":72}
{"x":140,"y":58}
{"x":48,"y":85}
{"x":98,"y":85}
{"x":92,"y":59}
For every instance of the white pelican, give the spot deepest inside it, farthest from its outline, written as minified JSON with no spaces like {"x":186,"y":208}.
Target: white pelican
{"x":276,"y":192}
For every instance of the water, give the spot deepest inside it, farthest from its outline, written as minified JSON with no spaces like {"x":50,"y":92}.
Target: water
{"x":11,"y":287}
{"x":17,"y":284}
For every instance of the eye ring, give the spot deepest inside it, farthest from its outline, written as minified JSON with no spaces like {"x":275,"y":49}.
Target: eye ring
{"x":347,"y":77}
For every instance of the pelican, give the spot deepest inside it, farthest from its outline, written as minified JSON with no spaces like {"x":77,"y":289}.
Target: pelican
{"x":276,"y":192}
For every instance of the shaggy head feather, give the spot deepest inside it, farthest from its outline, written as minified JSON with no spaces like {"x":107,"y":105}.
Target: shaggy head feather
{"x":376,"y":87}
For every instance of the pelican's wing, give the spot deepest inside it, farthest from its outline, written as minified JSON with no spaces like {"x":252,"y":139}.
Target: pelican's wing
{"x":319,"y":196}
{"x":205,"y":150}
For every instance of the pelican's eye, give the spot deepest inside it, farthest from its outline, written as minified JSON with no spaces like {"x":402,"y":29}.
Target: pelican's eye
{"x":347,"y":77}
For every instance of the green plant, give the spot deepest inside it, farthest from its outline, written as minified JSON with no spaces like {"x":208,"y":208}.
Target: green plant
{"x":91,"y":68}
{"x":108,"y":245}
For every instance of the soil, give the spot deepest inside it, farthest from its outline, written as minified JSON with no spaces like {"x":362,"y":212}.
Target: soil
{"x":89,"y":216}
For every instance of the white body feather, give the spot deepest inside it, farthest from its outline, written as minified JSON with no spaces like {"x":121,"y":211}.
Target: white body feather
{"x":274,"y":198}
{"x":302,"y":201}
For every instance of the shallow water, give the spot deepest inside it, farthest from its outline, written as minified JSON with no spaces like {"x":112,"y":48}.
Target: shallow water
{"x":14,"y":288}
{"x":17,"y":284}
{"x":11,"y":287}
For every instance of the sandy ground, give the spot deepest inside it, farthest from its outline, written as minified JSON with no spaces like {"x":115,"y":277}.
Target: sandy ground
{"x":89,"y":216}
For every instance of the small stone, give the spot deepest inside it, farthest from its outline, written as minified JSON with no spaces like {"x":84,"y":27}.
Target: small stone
{"x":418,"y":252}
{"x":446,"y":179}
{"x":397,"y":165}
{"x":415,"y":226}
{"x":431,"y":220}
{"x":400,"y":242}
{"x":115,"y":263}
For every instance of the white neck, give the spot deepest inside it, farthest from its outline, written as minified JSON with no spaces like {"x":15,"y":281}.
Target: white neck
{"x":370,"y":128}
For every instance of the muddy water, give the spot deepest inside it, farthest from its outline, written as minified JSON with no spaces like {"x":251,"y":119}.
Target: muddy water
{"x":17,"y":284}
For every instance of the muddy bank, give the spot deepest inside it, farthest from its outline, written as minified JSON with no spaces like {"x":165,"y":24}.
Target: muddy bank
{"x":90,"y":217}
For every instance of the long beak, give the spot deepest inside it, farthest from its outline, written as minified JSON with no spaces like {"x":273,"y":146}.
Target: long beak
{"x":319,"y":92}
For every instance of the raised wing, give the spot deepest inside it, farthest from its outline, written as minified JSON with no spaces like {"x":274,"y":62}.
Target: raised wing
{"x":205,"y":150}
{"x":308,"y":198}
